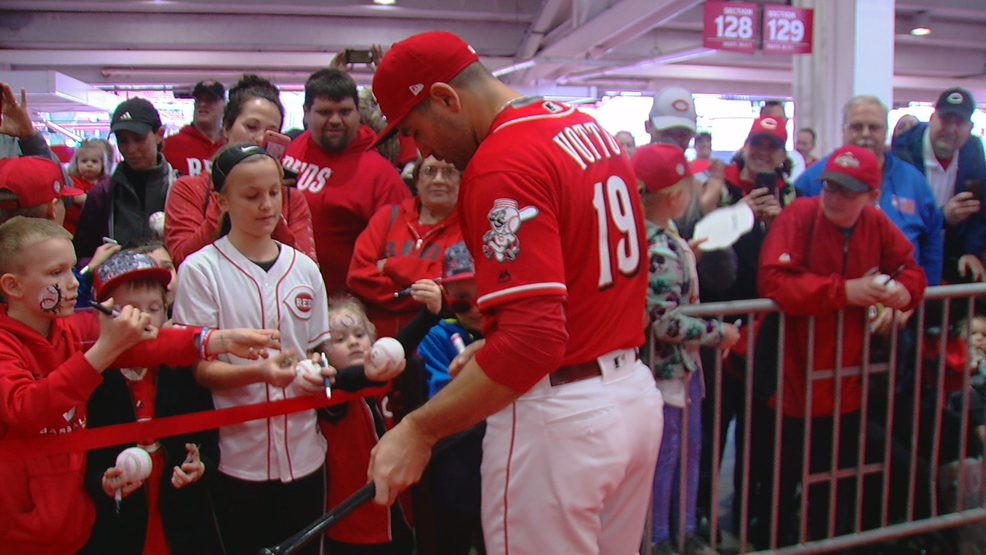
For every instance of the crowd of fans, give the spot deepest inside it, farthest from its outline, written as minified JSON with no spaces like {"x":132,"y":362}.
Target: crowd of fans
{"x":319,"y":235}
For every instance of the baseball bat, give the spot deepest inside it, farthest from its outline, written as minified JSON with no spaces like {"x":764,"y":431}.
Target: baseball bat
{"x":366,"y":493}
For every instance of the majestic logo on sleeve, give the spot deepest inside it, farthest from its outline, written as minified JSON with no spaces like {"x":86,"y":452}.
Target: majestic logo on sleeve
{"x":300,"y":301}
{"x":501,"y":242}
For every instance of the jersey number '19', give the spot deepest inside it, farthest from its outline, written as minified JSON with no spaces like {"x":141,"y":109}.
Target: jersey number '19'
{"x":615,"y":206}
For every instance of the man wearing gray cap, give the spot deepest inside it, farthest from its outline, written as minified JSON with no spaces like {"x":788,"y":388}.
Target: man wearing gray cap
{"x":672,"y":117}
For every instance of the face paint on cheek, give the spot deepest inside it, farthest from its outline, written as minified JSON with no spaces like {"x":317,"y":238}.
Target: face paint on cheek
{"x":49,"y":298}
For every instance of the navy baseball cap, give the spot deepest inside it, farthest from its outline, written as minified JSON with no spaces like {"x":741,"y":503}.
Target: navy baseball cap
{"x":956,"y":101}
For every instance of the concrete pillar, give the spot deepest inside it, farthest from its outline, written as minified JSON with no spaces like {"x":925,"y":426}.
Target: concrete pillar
{"x":852,"y":53}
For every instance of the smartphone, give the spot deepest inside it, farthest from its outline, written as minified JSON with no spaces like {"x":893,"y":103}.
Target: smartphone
{"x":359,"y":56}
{"x":974,"y":186}
{"x":766,"y":179}
{"x":276,"y":144}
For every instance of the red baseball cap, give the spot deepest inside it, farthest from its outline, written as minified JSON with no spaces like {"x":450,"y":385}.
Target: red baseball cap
{"x":853,"y":167}
{"x":409,"y":69}
{"x":770,"y":127}
{"x":35,"y":181}
{"x":660,"y":166}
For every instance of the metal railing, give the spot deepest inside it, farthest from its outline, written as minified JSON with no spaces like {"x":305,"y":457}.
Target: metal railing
{"x":904,"y":459}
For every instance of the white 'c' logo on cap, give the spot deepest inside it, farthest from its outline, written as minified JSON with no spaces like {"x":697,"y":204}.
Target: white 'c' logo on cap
{"x":680,"y":168}
{"x":768,"y":123}
{"x":56,"y":186}
{"x":955,"y":98}
{"x":846,"y":160}
{"x":416,"y":89}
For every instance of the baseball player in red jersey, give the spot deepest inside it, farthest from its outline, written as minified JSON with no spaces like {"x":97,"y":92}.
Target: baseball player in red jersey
{"x":550,"y":210}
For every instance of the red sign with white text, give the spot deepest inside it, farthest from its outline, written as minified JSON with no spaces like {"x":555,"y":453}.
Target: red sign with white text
{"x":730,"y":26}
{"x":786,"y":30}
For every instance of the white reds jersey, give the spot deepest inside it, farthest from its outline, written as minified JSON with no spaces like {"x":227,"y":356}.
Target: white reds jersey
{"x":219,"y":287}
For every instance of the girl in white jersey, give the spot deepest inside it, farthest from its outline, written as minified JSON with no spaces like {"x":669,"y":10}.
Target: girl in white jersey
{"x":271,"y":479}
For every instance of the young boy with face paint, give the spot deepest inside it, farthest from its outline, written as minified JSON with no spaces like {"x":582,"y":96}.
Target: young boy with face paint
{"x":46,"y":379}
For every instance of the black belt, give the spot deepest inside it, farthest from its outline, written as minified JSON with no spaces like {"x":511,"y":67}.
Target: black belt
{"x":575,"y":373}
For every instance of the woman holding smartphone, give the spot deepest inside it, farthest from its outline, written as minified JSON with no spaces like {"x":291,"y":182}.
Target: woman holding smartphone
{"x":253,"y":114}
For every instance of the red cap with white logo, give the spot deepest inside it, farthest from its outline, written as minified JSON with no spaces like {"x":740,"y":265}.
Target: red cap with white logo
{"x":770,"y":127}
{"x":853,"y":167}
{"x":660,"y":166}
{"x":409,"y":69}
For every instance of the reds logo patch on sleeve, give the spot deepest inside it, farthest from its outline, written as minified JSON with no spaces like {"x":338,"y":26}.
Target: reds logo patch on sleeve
{"x":301,"y":301}
{"x":501,"y":242}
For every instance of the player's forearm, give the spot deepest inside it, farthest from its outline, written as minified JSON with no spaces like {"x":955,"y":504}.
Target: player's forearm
{"x":217,"y":374}
{"x":467,"y":400}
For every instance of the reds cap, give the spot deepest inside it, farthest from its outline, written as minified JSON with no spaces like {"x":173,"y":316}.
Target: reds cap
{"x":35,"y":181}
{"x":211,"y":87}
{"x":660,"y":165}
{"x":853,"y":167}
{"x":769,"y":127}
{"x":409,"y":69}
{"x":956,"y":101}
{"x":126,"y":266}
{"x":457,"y":264}
{"x":673,"y":107}
{"x":136,"y":115}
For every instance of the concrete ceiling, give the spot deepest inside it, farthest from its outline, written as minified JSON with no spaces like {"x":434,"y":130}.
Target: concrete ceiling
{"x":577,"y":48}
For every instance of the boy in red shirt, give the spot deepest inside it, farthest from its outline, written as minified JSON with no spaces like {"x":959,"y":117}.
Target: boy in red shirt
{"x":45,"y":380}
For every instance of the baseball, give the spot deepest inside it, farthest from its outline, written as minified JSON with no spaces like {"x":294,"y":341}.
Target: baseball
{"x":134,"y":463}
{"x":386,"y":348}
{"x":310,"y":367}
{"x":881,"y":279}
{"x":156,"y":223}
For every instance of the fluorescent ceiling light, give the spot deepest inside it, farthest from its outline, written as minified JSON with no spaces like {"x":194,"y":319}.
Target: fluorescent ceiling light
{"x":385,"y":2}
{"x":922,"y":24}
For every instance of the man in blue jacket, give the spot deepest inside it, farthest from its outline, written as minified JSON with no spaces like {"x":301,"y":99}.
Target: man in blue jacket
{"x":904,"y":193}
{"x":952,"y":161}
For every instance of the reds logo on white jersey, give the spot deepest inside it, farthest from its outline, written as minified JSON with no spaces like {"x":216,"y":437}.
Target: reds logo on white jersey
{"x":300,"y":301}
{"x":501,"y":242}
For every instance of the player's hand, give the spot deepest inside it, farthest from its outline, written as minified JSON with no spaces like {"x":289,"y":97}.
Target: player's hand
{"x":243,"y":342}
{"x":428,"y":293}
{"x":190,"y":470}
{"x":386,"y":372}
{"x":959,"y":207}
{"x":279,"y":370}
{"x":113,"y":480}
{"x":377,"y":51}
{"x":970,"y":265}
{"x":460,"y":360}
{"x":102,"y":253}
{"x":15,"y":121}
{"x":864,"y":291}
{"x":730,"y":335}
{"x":398,"y":460}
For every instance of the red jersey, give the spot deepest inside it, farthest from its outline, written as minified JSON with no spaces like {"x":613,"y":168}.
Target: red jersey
{"x":189,"y":151}
{"x":549,"y":206}
{"x":344,"y":190}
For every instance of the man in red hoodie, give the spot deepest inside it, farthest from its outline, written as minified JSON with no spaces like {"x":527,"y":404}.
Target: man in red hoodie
{"x":190,"y":150}
{"x":344,"y":183}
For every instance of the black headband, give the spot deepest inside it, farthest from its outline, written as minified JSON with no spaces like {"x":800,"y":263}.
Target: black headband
{"x":228,"y":160}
